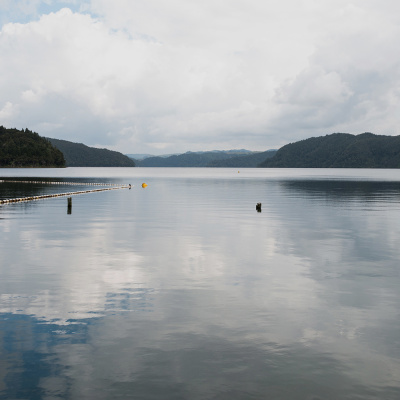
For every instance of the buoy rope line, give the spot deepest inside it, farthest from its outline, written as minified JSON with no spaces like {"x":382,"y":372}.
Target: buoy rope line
{"x":47,"y":196}
{"x":64,"y":183}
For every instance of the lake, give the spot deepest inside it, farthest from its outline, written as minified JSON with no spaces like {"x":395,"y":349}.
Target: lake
{"x":182,"y":290}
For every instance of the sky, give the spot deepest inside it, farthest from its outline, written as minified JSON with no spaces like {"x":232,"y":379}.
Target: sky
{"x":162,"y":77}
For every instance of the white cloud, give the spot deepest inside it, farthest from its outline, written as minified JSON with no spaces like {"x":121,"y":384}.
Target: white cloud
{"x":8,"y":111}
{"x":184,"y":75}
{"x":315,"y":86}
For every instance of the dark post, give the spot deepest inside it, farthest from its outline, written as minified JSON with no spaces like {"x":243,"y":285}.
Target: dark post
{"x":69,"y":205}
{"x":258,"y":207}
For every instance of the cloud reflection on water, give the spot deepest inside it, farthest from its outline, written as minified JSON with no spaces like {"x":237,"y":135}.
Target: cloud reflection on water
{"x":186,"y":288}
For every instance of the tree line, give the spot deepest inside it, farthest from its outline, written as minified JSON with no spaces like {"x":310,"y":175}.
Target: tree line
{"x":26,"y":149}
{"x":339,"y":150}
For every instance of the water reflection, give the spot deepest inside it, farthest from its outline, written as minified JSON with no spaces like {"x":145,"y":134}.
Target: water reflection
{"x":338,"y":190}
{"x":95,"y":361}
{"x":182,"y":290}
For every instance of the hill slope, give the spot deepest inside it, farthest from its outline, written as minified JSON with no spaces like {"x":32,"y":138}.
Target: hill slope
{"x":339,"y":150}
{"x":80,"y":155}
{"x":24,"y":148}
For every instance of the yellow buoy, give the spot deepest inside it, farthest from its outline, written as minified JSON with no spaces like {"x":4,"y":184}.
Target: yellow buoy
{"x":144,"y":185}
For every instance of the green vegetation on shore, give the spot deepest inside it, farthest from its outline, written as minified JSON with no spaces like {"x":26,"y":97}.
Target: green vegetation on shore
{"x":26,"y":149}
{"x":339,"y":150}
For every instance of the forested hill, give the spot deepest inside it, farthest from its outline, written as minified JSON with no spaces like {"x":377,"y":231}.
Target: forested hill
{"x":339,"y":150}
{"x":80,"y":155}
{"x":24,"y":148}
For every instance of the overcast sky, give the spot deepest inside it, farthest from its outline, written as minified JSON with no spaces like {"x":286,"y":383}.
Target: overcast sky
{"x":157,"y":76}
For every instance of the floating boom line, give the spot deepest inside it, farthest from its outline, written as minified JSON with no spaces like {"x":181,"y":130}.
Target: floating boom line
{"x":47,"y":196}
{"x":64,"y":183}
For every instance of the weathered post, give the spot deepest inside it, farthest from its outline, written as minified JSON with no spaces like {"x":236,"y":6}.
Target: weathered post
{"x":69,"y":211}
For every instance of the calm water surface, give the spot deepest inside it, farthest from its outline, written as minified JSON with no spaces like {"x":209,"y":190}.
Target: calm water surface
{"x":183,"y":291}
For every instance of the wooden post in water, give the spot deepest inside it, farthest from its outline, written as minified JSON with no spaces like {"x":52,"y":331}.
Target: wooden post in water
{"x":69,"y":211}
{"x":258,"y":207}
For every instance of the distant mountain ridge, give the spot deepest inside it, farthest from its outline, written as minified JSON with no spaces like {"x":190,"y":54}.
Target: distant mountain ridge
{"x":339,"y":150}
{"x":24,"y":148}
{"x":139,"y":156}
{"x":215,"y":158}
{"x":243,"y":161}
{"x":80,"y":155}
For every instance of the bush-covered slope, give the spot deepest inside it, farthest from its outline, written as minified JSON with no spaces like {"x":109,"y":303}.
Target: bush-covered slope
{"x":79,"y":155}
{"x":24,"y":148}
{"x":339,"y":150}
